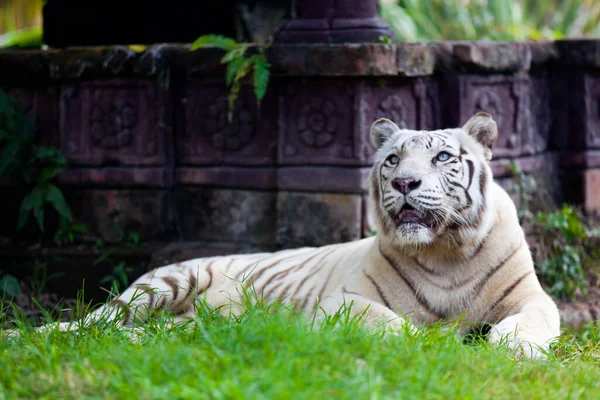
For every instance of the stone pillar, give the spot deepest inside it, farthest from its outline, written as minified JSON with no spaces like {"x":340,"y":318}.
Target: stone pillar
{"x":333,"y":21}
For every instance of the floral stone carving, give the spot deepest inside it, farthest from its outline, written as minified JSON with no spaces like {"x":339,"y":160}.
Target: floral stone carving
{"x":112,"y":121}
{"x":230,"y":136}
{"x":317,"y":123}
{"x":392,"y":107}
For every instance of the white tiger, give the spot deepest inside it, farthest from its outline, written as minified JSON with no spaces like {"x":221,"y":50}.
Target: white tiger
{"x":449,"y":246}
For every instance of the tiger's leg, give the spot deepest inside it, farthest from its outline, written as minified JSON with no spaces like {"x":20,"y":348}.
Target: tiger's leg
{"x":171,"y":288}
{"x":530,"y":331}
{"x":375,"y":315}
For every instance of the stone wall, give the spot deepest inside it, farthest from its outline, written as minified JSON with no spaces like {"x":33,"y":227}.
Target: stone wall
{"x":150,"y":149}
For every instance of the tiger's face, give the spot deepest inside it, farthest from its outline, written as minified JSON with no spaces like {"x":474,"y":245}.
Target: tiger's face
{"x":431,"y":184}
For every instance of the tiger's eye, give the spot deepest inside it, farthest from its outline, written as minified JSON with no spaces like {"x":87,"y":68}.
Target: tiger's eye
{"x":393,"y":159}
{"x":443,"y":156}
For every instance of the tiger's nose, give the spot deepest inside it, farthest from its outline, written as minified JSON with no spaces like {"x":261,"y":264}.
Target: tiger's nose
{"x":405,"y":185}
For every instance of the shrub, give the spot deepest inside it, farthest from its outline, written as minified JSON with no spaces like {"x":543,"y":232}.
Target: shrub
{"x":492,"y":19}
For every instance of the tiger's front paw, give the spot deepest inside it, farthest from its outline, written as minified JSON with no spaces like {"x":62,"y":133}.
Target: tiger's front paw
{"x":523,"y":341}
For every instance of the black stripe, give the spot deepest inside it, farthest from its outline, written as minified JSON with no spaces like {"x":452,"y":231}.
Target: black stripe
{"x":482,"y":209}
{"x":425,"y":203}
{"x":422,"y":301}
{"x":303,"y":281}
{"x":163,"y":302}
{"x":491,"y":272}
{"x":254,"y":278}
{"x":172,"y":282}
{"x":424,"y":268}
{"x":379,"y":291}
{"x":429,"y":197}
{"x":147,"y":290}
{"x":124,"y":307}
{"x":482,"y":183}
{"x":509,"y":289}
{"x":283,"y":291}
{"x":471,"y":172}
{"x":320,"y":295}
{"x":305,"y":301}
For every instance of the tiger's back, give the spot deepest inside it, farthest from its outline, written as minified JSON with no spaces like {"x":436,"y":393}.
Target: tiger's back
{"x":300,"y":277}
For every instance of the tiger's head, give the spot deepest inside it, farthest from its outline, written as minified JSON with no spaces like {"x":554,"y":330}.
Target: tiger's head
{"x":430,"y":187}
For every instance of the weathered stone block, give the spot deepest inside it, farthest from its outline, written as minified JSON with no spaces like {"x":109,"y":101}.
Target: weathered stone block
{"x":576,"y":110}
{"x":323,"y":179}
{"x":592,"y":190}
{"x":494,"y":57}
{"x":326,"y":59}
{"x":415,"y":59}
{"x":224,"y":176}
{"x":118,"y":177}
{"x":317,"y":123}
{"x":239,"y":216}
{"x":579,"y":52}
{"x":306,"y":219}
{"x":592,"y":111}
{"x":583,"y":159}
{"x":538,"y":117}
{"x":507,"y":98}
{"x":111,"y":214}
{"x":205,"y":136}
{"x":115,"y":122}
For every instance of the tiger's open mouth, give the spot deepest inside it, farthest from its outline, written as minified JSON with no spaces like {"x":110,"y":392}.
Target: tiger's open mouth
{"x":410,"y":215}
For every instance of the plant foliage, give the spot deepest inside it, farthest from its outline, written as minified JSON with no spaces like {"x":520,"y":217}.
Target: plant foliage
{"x":492,"y":19}
{"x":239,"y":66}
{"x":563,"y":242}
{"x":21,"y":160}
{"x":9,"y":285}
{"x":563,"y":247}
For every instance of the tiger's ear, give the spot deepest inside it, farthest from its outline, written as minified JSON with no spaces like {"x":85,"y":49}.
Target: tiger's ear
{"x":483,"y":128}
{"x":382,"y":130}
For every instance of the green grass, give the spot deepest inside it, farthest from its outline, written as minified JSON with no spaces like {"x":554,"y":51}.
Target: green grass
{"x":269,"y":353}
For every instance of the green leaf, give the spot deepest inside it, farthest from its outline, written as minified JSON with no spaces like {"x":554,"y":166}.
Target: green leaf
{"x":233,"y":95}
{"x":9,"y":158}
{"x":133,"y":238}
{"x":261,"y":77}
{"x":10,"y":285}
{"x":49,"y":154}
{"x":50,"y":172}
{"x":221,"y":42}
{"x":33,"y":201}
{"x":236,"y":86}
{"x":38,"y":214}
{"x":55,"y":197}
{"x":232,"y":68}
{"x":234,"y":54}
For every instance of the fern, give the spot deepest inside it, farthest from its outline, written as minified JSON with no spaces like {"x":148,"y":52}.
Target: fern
{"x":238,"y":67}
